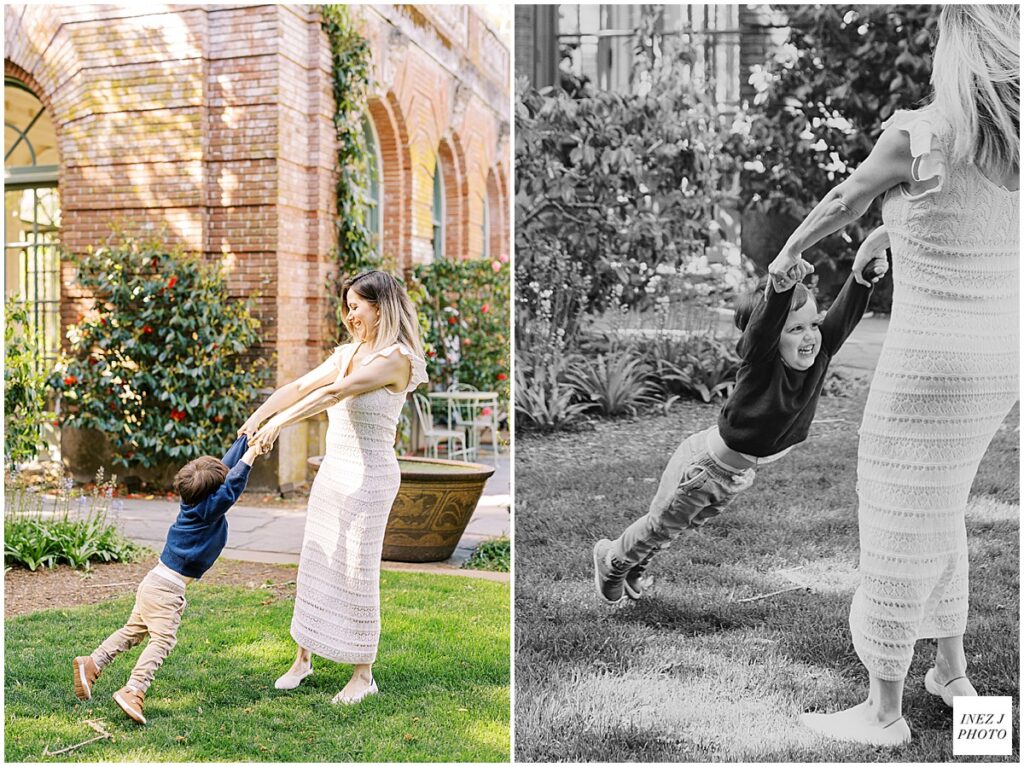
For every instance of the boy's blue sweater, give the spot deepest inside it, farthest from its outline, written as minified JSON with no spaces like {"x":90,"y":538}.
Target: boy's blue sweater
{"x":198,"y":535}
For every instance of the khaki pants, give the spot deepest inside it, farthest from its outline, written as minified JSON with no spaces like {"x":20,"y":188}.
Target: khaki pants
{"x":695,"y":487}
{"x":159,"y":604}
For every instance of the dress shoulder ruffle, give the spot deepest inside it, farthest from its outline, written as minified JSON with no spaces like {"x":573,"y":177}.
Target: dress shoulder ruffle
{"x":921,"y":126}
{"x":419,"y":365}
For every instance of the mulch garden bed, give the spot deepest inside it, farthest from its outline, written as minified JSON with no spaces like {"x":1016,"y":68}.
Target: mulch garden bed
{"x":27,"y":592}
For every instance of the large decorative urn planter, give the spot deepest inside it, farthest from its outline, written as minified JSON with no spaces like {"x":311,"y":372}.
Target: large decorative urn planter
{"x":435,"y":502}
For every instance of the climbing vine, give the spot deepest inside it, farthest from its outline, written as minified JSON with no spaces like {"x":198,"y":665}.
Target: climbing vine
{"x":350,"y":59}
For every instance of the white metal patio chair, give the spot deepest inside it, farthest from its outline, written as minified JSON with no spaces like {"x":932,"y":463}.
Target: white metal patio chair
{"x":434,"y":434}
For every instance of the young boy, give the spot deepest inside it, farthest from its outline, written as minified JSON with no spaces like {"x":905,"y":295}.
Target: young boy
{"x":785,"y":351}
{"x":208,"y":488}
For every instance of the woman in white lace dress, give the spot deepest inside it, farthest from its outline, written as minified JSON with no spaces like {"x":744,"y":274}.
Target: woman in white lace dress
{"x":362,"y":386}
{"x":948,"y":373}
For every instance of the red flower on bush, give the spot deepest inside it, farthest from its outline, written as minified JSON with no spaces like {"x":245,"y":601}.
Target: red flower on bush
{"x":177,"y":415}
{"x":147,"y":329}
{"x":467,"y":341}
{"x":452,"y":320}
{"x":173,"y":281}
{"x":154,"y":262}
{"x":485,"y":308}
{"x":502,"y":377}
{"x":218,"y":418}
{"x":70,"y":381}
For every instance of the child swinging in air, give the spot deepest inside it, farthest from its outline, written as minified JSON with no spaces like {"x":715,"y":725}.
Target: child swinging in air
{"x":208,"y":487}
{"x":785,"y":351}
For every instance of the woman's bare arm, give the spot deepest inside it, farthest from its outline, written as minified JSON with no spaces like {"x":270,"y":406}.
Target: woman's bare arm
{"x":888,"y":165}
{"x":393,"y":370}
{"x":289,"y":394}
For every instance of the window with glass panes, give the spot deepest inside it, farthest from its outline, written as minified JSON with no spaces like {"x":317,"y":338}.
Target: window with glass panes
{"x":32,"y":213}
{"x":437,"y":211}
{"x":374,"y":172}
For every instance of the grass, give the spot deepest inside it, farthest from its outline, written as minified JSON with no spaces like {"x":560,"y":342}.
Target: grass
{"x":443,"y":671}
{"x":691,"y":674}
{"x":494,"y":555}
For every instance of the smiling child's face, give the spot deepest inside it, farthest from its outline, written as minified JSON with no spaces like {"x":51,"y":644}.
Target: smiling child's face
{"x":801,"y":339}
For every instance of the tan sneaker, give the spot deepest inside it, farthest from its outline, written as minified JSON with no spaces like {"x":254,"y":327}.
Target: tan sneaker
{"x":130,"y":700}
{"x":86,"y":673}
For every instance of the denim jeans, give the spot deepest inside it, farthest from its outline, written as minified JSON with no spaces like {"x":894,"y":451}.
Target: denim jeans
{"x":695,"y":486}
{"x":159,"y":604}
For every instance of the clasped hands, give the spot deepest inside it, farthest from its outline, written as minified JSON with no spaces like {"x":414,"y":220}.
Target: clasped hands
{"x":869,"y":265}
{"x":262,"y":439}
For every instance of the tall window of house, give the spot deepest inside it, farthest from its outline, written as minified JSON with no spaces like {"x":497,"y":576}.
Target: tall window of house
{"x":437,"y":211}
{"x":486,"y":226}
{"x":374,"y":193}
{"x":32,"y":212}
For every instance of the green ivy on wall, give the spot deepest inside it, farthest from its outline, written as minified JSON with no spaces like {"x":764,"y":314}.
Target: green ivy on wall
{"x":350,"y":61}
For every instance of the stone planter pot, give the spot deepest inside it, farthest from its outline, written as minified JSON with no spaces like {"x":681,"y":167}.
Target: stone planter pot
{"x":435,"y":502}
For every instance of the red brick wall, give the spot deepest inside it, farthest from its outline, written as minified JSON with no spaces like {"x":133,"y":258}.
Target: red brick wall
{"x":214,"y":123}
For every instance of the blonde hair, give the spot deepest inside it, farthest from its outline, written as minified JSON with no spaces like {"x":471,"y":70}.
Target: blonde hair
{"x":398,"y":320}
{"x":976,"y":83}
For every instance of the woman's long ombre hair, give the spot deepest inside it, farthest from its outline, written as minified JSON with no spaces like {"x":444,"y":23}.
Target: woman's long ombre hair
{"x":976,"y":83}
{"x":398,"y":320}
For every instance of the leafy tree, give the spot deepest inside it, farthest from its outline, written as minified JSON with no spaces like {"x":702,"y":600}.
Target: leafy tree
{"x":821,"y":102}
{"x":164,"y":365}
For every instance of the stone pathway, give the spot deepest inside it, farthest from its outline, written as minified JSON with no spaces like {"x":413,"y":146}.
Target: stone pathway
{"x":267,"y":534}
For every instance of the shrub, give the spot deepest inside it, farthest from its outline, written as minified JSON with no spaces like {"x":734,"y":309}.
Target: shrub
{"x":78,"y":536}
{"x":25,"y":390}
{"x":494,"y":555}
{"x":693,"y":366}
{"x":614,"y":384}
{"x":821,"y":102}
{"x":465,"y":304}
{"x":164,"y":366}
{"x":544,"y":400}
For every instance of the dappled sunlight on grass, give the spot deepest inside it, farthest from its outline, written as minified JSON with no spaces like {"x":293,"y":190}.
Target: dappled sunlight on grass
{"x":747,"y":625}
{"x":443,"y":672}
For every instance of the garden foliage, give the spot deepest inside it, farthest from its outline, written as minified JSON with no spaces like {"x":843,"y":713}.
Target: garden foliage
{"x":822,"y":98}
{"x":75,"y":530}
{"x":164,"y":365}
{"x":465,"y":308}
{"x":25,"y":391}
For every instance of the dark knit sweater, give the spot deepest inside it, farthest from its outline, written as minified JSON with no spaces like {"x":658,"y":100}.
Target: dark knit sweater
{"x":198,"y":535}
{"x":772,"y":405}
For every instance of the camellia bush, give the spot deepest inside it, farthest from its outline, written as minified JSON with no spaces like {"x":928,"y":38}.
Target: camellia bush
{"x":821,"y":100}
{"x":464,"y":311}
{"x":164,"y":366}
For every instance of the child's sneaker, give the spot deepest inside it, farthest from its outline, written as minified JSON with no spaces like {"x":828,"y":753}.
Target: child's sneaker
{"x":130,"y":699}
{"x":609,"y":573}
{"x":636,"y":583}
{"x":86,"y":673}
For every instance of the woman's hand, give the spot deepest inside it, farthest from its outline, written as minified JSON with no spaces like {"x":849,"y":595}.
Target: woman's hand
{"x":265,"y":438}
{"x":871,"y":253}
{"x":250,"y":427}
{"x":787,"y":269}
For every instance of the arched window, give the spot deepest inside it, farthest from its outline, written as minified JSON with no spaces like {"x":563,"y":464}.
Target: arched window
{"x":374,"y":191}
{"x":437,"y":211}
{"x":32,"y":212}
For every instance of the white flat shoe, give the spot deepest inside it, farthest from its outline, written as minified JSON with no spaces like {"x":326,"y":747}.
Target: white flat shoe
{"x":942,"y":690}
{"x":840,"y":727}
{"x":290,"y":680}
{"x":371,"y":690}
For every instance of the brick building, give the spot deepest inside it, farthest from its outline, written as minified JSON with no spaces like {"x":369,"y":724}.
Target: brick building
{"x":215,"y":122}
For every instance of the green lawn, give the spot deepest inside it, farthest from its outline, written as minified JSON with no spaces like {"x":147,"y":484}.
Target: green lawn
{"x":693,"y":673}
{"x":443,"y":672}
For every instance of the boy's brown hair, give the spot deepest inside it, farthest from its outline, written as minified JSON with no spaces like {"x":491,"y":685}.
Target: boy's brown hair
{"x":197,"y":479}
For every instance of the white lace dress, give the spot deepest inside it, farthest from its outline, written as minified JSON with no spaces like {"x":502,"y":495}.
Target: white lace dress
{"x":947,"y":377}
{"x":337,"y":597}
